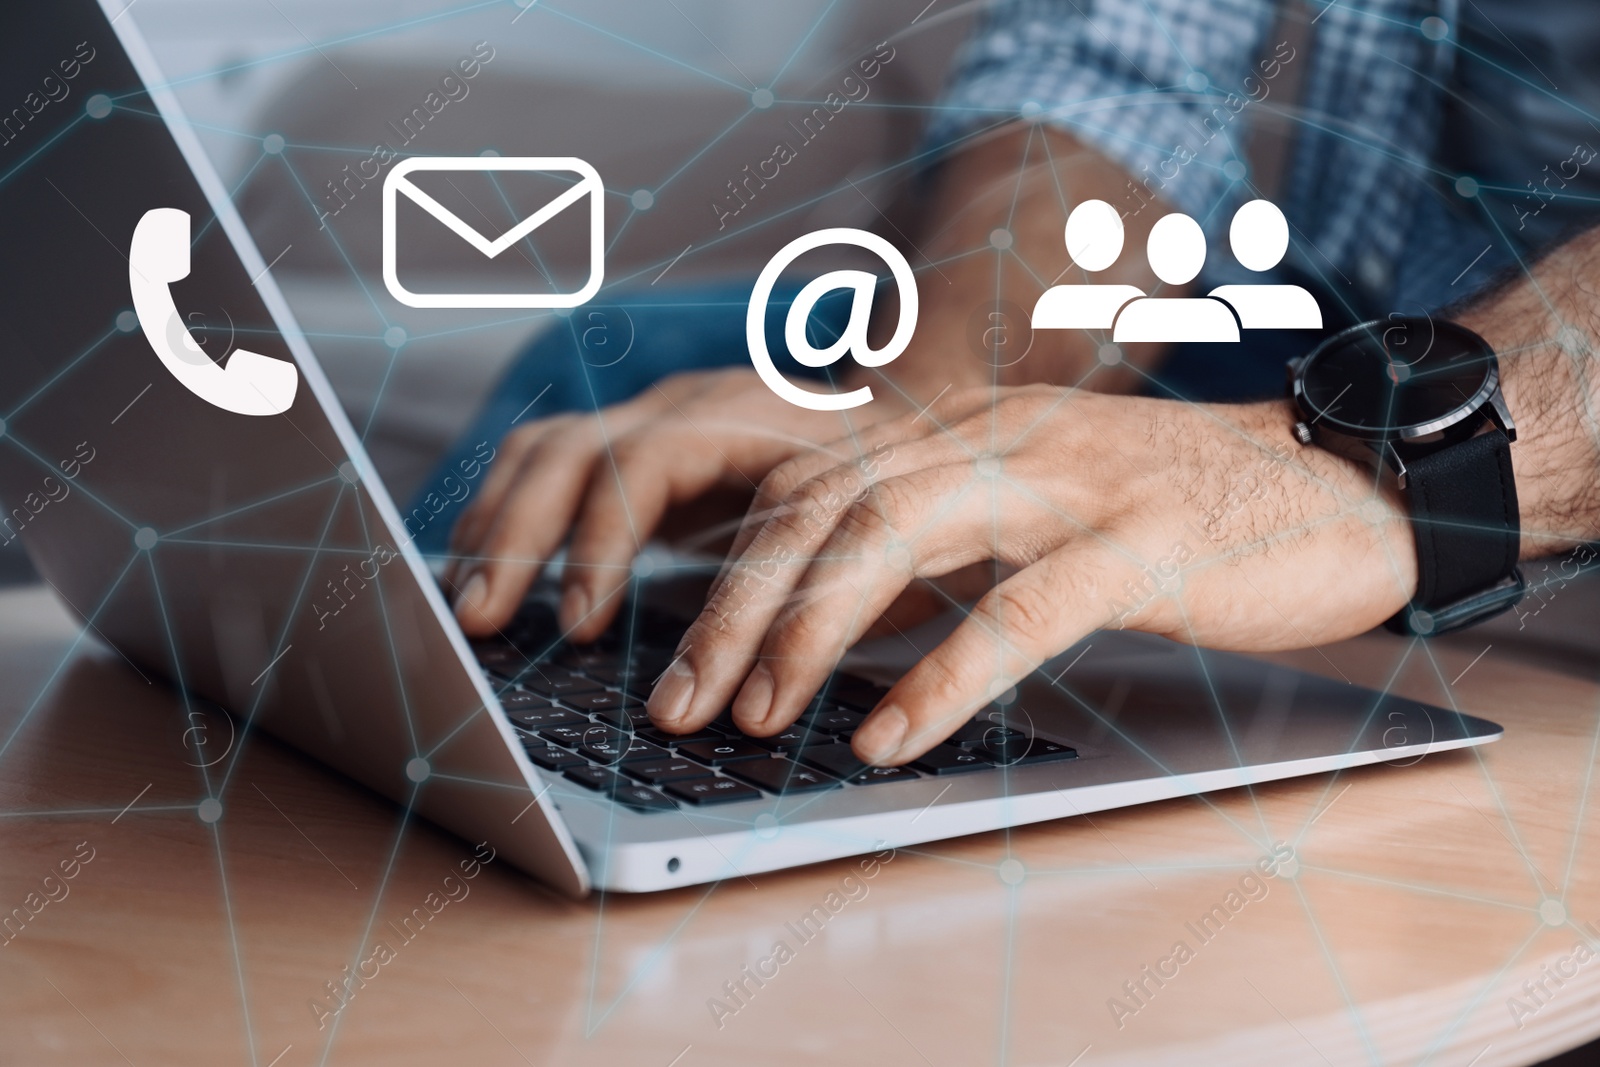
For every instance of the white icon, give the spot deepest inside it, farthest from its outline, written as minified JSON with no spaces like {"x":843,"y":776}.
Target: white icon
{"x":1094,"y":241}
{"x":587,"y":186}
{"x":1259,"y":236}
{"x":248,"y":383}
{"x":1177,"y":251}
{"x":852,"y":339}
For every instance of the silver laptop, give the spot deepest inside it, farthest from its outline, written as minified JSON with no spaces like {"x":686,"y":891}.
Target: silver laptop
{"x":200,"y":500}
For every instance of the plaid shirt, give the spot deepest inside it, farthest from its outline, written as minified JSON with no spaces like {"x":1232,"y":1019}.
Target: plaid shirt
{"x":1166,"y":88}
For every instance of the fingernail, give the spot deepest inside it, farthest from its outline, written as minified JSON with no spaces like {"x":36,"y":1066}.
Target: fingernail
{"x":669,"y":702}
{"x":471,"y":594}
{"x":574,"y":606}
{"x":881,"y":736}
{"x":754,"y":702}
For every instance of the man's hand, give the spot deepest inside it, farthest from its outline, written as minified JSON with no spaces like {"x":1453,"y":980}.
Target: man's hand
{"x":1207,"y":524}
{"x":608,"y":480}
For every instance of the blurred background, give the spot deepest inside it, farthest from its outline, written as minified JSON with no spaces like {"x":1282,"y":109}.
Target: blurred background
{"x":663,"y":97}
{"x":671,"y":100}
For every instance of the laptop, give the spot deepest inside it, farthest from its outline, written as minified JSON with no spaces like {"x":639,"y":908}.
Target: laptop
{"x":181,"y":473}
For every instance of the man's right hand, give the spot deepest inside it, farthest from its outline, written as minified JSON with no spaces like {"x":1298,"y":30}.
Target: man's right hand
{"x":608,"y":480}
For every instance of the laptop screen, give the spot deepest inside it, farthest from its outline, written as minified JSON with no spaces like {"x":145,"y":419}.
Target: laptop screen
{"x":172,"y":459}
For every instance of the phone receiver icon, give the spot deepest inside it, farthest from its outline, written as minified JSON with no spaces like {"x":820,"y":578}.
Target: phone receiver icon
{"x":249,"y":383}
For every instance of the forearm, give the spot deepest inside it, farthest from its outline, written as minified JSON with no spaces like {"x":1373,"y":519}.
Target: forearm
{"x":1022,"y":182}
{"x":1545,"y":326}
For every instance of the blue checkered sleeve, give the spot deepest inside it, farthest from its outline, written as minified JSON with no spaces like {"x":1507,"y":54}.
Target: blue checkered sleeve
{"x":1155,"y":85}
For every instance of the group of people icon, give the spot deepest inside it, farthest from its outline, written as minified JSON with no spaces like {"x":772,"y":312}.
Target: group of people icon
{"x":1259,"y":236}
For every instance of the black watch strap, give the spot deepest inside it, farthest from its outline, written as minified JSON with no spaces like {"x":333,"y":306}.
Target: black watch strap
{"x":1468,"y":531}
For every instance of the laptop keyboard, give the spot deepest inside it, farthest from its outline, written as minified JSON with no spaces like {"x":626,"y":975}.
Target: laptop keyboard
{"x":579,"y":712}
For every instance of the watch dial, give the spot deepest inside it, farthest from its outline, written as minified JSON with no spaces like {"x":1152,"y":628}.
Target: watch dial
{"x":1385,"y":377}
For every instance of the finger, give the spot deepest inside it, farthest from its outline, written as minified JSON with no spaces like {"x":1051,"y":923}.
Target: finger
{"x":870,"y":449}
{"x":1019,"y":624}
{"x":529,"y":525}
{"x":719,"y":647}
{"x":922,"y":525}
{"x":628,"y":494}
{"x":473,"y":522}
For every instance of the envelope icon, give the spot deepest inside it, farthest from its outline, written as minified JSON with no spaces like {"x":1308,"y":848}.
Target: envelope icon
{"x":587,"y":186}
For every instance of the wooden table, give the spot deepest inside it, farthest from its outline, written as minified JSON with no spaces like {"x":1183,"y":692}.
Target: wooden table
{"x":1420,"y":900}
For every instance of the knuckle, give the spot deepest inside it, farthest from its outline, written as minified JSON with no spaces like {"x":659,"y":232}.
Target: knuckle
{"x":1017,"y":607}
{"x":779,"y":482}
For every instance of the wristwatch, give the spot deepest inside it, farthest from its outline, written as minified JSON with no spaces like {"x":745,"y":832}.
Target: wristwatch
{"x":1424,"y":397}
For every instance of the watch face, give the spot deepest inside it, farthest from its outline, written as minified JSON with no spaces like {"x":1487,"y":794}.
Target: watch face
{"x":1401,"y":377}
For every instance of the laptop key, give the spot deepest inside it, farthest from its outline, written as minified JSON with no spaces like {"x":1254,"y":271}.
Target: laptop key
{"x":658,"y":736}
{"x":793,"y":738}
{"x":977,"y":733}
{"x":663,"y":770}
{"x":947,"y":759}
{"x":597,"y":700}
{"x":569,"y":734}
{"x":725,"y":750}
{"x":781,"y":775}
{"x":545,"y":755}
{"x":539,"y":718}
{"x":711,"y":790}
{"x":1026,"y":751}
{"x":837,"y":760}
{"x":521,"y":698}
{"x":628,"y":719}
{"x":873,"y":775}
{"x":642,"y":798}
{"x":831,"y":720}
{"x":556,"y":682}
{"x":857,"y":693}
{"x":613,"y":749}
{"x":598,"y":778}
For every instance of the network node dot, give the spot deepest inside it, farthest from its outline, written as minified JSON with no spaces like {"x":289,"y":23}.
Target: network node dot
{"x":1553,"y":912}
{"x":347,"y":471}
{"x":643,"y":200}
{"x":394,"y":336}
{"x":1467,"y":187}
{"x":145,"y":538}
{"x":98,"y":106}
{"x":1000,"y":238}
{"x":418,"y":769}
{"x":272,"y":143}
{"x":761,"y":99}
{"x":1012,"y":872}
{"x":1435,"y":28}
{"x":127,"y":321}
{"x":1109,"y":354}
{"x":210,"y":810}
